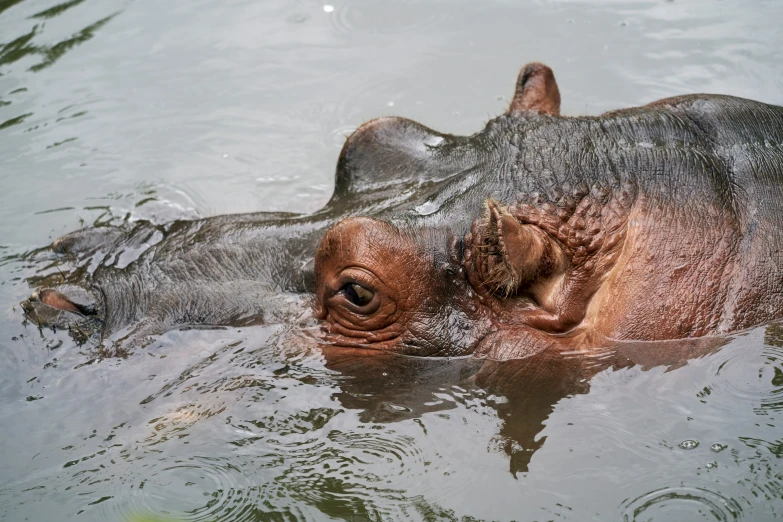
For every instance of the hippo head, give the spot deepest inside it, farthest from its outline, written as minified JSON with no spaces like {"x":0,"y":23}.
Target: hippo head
{"x":421,"y":290}
{"x":458,"y":253}
{"x":459,"y":276}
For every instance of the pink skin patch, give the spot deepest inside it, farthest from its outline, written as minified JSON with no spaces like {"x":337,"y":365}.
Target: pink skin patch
{"x":56,"y":300}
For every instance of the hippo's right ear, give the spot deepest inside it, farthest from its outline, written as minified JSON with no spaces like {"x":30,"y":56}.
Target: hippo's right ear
{"x":509,"y":255}
{"x":385,"y":152}
{"x":536,"y":90}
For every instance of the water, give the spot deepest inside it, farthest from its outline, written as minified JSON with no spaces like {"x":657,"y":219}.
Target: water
{"x":145,"y":110}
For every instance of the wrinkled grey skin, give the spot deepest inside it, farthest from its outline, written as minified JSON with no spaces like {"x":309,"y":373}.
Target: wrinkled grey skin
{"x":687,"y":156}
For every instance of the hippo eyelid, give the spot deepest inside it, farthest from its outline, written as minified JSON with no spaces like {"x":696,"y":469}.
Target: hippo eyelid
{"x":356,"y":293}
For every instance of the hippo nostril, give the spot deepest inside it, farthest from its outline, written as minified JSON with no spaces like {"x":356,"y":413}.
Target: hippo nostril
{"x":68,"y":298}
{"x":75,"y":308}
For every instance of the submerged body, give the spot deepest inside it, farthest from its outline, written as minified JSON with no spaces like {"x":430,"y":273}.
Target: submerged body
{"x":540,"y":231}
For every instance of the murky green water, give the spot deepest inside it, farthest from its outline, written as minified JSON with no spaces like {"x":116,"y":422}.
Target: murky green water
{"x":157,"y":110}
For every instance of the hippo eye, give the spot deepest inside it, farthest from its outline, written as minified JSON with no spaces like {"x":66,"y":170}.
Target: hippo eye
{"x":357,"y":294}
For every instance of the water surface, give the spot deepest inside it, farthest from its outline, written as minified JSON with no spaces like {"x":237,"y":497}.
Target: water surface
{"x":124,"y":110}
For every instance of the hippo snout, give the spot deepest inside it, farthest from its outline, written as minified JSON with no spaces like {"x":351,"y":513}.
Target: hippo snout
{"x":65,"y":306}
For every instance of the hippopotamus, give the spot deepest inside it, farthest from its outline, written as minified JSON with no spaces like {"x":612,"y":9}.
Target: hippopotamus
{"x":540,"y":232}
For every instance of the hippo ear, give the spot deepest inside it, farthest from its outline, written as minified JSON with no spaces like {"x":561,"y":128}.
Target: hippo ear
{"x":511,"y":255}
{"x":536,"y":90}
{"x":385,"y":152}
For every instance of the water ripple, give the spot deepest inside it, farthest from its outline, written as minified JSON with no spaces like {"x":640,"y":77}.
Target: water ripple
{"x":350,"y":471}
{"x":177,"y":424}
{"x":354,"y":17}
{"x":195,"y":488}
{"x":681,"y":503}
{"x":741,"y":377}
{"x":398,"y":451}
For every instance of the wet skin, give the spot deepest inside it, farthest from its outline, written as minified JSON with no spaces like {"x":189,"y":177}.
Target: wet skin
{"x":540,"y":233}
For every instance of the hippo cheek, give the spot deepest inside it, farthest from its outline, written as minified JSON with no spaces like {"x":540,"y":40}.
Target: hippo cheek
{"x":427,"y":321}
{"x":347,"y":328}
{"x":447,"y":332}
{"x":428,"y":336}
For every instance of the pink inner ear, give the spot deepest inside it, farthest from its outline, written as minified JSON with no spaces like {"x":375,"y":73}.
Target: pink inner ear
{"x":56,"y":300}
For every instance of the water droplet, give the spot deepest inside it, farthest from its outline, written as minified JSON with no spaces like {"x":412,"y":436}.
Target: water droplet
{"x":328,"y":8}
{"x":718,"y":447}
{"x":225,"y":155}
{"x":689,"y":444}
{"x":390,"y":104}
{"x":385,"y":374}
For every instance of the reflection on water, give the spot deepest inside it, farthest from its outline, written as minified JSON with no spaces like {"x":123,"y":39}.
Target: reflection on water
{"x":22,"y":46}
{"x":119,"y":111}
{"x":247,"y":425}
{"x":26,"y":46}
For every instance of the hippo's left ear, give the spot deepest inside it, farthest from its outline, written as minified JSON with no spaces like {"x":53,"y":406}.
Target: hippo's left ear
{"x":536,"y":90}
